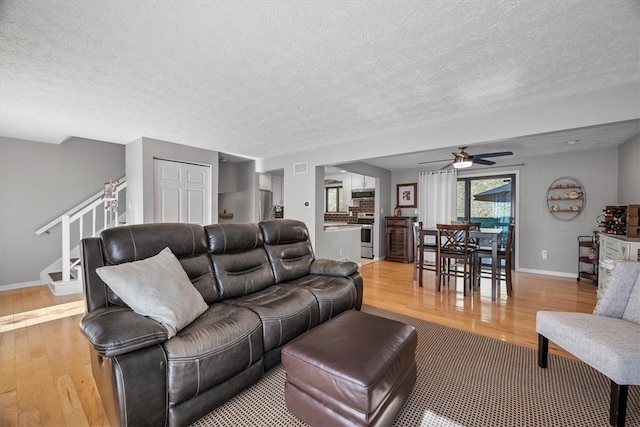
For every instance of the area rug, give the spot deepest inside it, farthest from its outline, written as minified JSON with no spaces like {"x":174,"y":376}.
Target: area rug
{"x":464,"y":379}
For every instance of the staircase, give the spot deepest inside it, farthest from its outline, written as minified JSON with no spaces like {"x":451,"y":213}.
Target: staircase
{"x":64,"y":276}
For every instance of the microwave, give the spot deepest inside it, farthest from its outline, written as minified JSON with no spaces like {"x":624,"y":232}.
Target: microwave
{"x":363,"y":194}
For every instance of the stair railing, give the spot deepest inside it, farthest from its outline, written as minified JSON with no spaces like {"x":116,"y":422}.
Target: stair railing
{"x":76,"y":215}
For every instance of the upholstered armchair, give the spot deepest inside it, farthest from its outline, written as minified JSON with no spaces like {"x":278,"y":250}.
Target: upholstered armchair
{"x":608,"y":340}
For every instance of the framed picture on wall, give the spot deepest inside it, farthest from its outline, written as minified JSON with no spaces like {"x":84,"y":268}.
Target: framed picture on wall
{"x":406,"y":195}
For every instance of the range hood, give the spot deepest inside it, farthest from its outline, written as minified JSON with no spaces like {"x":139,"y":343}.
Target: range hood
{"x":365,"y":193}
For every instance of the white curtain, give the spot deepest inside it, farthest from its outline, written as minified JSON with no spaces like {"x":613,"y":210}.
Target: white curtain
{"x":436,"y":199}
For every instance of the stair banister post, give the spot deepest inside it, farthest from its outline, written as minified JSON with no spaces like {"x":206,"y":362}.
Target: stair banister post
{"x":93,"y":222}
{"x":66,"y":249}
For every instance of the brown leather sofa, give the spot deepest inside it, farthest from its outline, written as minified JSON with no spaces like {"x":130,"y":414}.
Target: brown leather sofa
{"x":263,"y":287}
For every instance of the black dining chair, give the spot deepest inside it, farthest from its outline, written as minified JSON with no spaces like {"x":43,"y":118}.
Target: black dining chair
{"x":427,"y":247}
{"x":505,"y":254}
{"x":453,"y":247}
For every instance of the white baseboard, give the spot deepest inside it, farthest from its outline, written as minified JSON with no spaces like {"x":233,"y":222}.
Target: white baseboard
{"x":65,"y":288}
{"x":20,"y":285}
{"x":549,"y":273}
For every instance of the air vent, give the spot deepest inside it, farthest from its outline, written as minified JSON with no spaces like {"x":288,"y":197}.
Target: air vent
{"x":300,"y":168}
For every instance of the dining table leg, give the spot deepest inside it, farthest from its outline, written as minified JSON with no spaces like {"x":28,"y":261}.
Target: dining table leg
{"x":420,"y":260}
{"x":494,"y":268}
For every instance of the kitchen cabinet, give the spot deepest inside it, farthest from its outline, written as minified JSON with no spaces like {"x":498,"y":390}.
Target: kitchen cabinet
{"x":264,"y":181}
{"x":399,"y":238}
{"x":362,"y":181}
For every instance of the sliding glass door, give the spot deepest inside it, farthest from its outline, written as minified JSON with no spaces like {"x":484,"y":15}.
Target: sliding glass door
{"x":489,"y":200}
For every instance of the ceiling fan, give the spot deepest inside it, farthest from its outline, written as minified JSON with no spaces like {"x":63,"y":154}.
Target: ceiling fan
{"x":464,"y":160}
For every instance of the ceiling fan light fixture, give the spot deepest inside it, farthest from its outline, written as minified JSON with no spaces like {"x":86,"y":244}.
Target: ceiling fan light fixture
{"x":462,"y":160}
{"x":461,"y":164}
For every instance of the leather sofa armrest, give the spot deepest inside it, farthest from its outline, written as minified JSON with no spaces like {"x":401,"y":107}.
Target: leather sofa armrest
{"x":117,"y":330}
{"x":329,"y":267}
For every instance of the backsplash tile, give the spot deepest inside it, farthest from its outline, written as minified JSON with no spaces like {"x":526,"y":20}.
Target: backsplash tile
{"x":364,"y":206}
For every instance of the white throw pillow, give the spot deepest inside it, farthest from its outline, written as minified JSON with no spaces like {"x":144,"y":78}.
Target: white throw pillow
{"x":157,"y":287}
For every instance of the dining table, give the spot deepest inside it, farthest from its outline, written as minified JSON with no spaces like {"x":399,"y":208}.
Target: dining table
{"x":483,"y":235}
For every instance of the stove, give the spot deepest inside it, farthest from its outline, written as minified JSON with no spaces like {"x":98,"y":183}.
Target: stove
{"x":366,"y":220}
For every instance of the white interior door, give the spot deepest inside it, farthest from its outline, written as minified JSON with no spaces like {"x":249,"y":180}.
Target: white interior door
{"x":182,"y":192}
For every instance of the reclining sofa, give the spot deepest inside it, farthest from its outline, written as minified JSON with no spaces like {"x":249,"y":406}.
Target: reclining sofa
{"x":262,"y":287}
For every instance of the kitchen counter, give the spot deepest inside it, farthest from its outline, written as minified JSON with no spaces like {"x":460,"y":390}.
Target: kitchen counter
{"x":621,"y":238}
{"x":340,"y":241}
{"x":339,"y":226}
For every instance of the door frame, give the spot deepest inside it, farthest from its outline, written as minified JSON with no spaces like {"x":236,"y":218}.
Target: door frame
{"x":514,"y":209}
{"x":209,"y":210}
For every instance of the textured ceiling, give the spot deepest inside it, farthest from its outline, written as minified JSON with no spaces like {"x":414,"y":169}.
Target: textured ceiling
{"x":260,"y":79}
{"x":588,"y":138}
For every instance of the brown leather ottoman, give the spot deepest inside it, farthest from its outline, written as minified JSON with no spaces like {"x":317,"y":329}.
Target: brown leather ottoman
{"x":354,"y":370}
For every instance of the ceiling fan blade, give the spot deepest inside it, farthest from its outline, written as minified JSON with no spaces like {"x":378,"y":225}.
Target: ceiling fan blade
{"x":482,"y":162}
{"x":447,"y":166}
{"x":496,"y":154}
{"x":434,"y":161}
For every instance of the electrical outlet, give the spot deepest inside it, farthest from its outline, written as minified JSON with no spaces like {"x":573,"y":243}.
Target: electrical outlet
{"x":544,"y":255}
{"x":340,"y":251}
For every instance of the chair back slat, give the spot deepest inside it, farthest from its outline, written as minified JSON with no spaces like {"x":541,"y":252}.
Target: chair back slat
{"x":453,"y":237}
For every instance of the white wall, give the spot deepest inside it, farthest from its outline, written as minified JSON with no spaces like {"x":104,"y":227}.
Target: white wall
{"x":629,"y":172}
{"x":39,"y":182}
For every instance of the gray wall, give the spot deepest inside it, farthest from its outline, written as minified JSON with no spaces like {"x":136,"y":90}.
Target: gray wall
{"x":241,"y":203}
{"x":629,"y":175}
{"x":39,"y":182}
{"x":597,"y":170}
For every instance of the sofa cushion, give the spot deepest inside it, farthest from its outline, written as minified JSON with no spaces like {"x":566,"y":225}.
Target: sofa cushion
{"x":240,"y":263}
{"x":285,"y":312}
{"x":609,"y":345}
{"x":156,"y":287}
{"x":334,"y":294}
{"x":231,"y":238}
{"x":222,"y":342}
{"x":117,"y":330}
{"x":279,"y":231}
{"x":288,"y":247}
{"x":615,"y":296}
{"x":188,"y":243}
{"x":632,"y":311}
{"x":330,"y":267}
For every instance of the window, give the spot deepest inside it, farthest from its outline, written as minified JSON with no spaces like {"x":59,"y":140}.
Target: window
{"x":489,"y":200}
{"x":333,"y":199}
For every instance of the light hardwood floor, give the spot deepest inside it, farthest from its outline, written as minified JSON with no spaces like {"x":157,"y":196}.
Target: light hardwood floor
{"x":45,"y":373}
